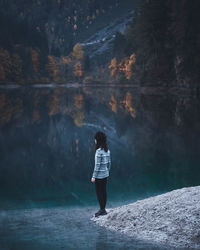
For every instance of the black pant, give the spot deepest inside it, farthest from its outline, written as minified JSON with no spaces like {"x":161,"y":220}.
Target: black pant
{"x":100,"y":186}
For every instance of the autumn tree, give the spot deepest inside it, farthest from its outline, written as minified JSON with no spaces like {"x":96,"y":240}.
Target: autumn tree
{"x":78,"y":52}
{"x":78,"y":69}
{"x":129,"y":66}
{"x":113,"y":67}
{"x":52,"y":68}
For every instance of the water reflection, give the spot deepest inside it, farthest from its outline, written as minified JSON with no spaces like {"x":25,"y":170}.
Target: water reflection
{"x":47,"y":145}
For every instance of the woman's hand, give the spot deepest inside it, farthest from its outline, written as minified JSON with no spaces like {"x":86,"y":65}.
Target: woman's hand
{"x":93,"y":179}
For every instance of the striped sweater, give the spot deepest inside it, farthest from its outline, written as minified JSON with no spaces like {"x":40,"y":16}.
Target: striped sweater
{"x":102,"y":164}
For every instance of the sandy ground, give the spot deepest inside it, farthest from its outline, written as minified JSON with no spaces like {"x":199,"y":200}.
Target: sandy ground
{"x":172,"y":218}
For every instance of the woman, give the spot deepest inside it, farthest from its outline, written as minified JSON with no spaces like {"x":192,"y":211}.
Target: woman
{"x":101,"y":170}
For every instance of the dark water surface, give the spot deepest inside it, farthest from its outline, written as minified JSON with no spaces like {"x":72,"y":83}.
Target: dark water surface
{"x":61,"y":228}
{"x":47,"y":158}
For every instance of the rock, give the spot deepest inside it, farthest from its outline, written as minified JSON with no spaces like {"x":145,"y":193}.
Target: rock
{"x":171,"y":218}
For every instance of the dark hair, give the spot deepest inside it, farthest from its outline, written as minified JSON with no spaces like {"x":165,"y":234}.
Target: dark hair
{"x":101,"y":140}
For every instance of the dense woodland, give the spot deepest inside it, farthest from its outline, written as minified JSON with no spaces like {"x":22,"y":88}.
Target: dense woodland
{"x":39,"y":36}
{"x":165,"y":37}
{"x":40,"y":42}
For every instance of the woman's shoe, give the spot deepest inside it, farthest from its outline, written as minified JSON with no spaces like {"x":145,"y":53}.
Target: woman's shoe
{"x":101,"y":212}
{"x":98,"y":213}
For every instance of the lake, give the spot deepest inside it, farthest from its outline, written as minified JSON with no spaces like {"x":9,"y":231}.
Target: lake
{"x":47,"y":158}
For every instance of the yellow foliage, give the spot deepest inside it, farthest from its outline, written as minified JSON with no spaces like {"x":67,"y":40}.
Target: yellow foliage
{"x":78,"y":119}
{"x":78,"y":52}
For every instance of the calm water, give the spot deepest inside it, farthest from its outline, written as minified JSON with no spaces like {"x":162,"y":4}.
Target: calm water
{"x":47,"y":157}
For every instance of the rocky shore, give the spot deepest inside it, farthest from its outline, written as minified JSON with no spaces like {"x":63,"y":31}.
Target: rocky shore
{"x":172,"y":218}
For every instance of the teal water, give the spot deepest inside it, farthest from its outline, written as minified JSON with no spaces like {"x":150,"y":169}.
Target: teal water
{"x":61,"y":228}
{"x":47,"y":149}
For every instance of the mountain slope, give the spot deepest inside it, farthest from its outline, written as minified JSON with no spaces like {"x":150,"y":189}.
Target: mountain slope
{"x":101,"y":42}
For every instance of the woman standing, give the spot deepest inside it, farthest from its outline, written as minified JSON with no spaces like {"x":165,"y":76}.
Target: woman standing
{"x":101,"y":170}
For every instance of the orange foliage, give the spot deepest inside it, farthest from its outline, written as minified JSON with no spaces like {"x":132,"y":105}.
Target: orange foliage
{"x":113,"y":67}
{"x":52,"y":67}
{"x":128,"y":102}
{"x":66,"y":60}
{"x":124,"y":66}
{"x":53,"y":105}
{"x":128,"y":66}
{"x":78,"y":101}
{"x":78,"y":118}
{"x":113,"y":104}
{"x":78,"y":70}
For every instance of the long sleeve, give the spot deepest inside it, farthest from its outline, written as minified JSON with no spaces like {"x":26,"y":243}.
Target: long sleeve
{"x":109,"y":162}
{"x":97,"y":164}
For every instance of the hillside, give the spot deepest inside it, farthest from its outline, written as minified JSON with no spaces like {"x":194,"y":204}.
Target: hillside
{"x":141,"y":42}
{"x":39,"y":36}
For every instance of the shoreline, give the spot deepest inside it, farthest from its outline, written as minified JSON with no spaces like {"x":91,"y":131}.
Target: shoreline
{"x":151,"y":89}
{"x":172,"y":218}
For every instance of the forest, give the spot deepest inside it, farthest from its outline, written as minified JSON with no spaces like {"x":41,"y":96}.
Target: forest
{"x":41,"y":43}
{"x":165,"y":39}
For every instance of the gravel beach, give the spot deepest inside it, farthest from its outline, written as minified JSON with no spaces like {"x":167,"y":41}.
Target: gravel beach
{"x":172,"y":218}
